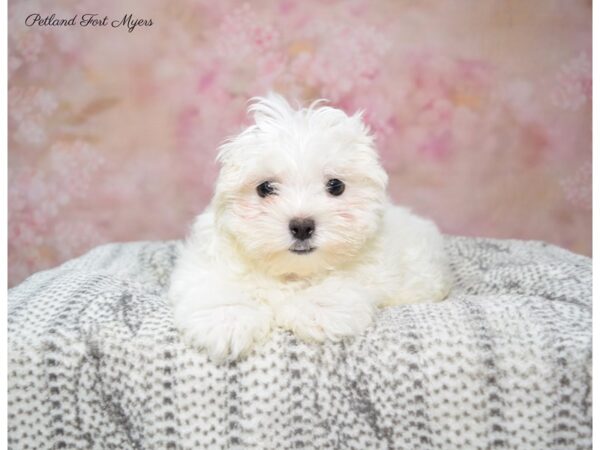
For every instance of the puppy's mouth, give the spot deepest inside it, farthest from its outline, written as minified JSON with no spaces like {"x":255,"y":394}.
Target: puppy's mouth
{"x":302,"y":248}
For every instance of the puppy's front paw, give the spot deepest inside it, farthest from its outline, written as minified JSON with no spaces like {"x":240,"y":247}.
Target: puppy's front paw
{"x":226,"y":332}
{"x":316,"y":316}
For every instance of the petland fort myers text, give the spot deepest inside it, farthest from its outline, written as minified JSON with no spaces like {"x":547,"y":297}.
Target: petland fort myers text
{"x":87,"y":20}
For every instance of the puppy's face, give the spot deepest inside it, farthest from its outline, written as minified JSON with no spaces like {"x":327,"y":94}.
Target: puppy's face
{"x":299,"y":192}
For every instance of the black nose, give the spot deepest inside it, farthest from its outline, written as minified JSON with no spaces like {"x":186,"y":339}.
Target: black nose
{"x":302,"y":229}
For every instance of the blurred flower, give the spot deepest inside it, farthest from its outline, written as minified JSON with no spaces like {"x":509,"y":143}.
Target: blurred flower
{"x":338,"y":58}
{"x":573,"y":83}
{"x":29,"y":111}
{"x":578,"y":187}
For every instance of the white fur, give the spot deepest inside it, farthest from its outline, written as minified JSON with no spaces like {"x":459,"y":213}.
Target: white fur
{"x":236,"y":278}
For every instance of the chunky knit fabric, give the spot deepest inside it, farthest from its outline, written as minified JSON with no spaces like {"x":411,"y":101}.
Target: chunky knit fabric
{"x":95,"y":362}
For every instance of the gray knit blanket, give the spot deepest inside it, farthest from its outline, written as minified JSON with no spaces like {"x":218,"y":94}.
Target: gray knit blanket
{"x":95,"y":362}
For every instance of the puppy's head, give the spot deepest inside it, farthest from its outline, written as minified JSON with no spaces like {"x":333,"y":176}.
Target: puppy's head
{"x":300,"y":191}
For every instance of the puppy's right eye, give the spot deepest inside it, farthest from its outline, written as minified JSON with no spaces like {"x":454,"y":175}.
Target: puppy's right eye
{"x":265,"y":188}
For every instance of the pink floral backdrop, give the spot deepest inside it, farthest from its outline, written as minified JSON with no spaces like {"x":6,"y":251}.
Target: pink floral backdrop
{"x":482,"y":111}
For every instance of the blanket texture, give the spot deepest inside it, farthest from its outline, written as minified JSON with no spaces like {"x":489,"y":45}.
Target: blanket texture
{"x":95,"y":362}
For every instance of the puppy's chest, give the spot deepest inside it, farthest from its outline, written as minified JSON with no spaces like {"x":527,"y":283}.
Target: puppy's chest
{"x":276,"y":291}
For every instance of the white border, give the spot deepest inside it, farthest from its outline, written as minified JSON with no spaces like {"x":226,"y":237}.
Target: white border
{"x":595,"y":242}
{"x":3,"y":226}
{"x":3,"y":223}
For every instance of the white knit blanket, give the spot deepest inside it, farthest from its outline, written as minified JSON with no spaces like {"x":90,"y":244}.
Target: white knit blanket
{"x":95,"y":362}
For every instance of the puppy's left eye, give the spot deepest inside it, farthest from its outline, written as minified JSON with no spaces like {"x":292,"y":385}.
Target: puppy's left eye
{"x":335,"y":187}
{"x":264,"y":189}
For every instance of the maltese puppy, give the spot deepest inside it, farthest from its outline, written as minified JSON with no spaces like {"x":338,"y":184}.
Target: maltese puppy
{"x":300,"y":234}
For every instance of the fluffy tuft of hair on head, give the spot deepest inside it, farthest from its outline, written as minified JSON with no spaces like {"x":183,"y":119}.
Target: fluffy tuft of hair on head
{"x":271,"y":107}
{"x":274,"y":110}
{"x":273,"y":114}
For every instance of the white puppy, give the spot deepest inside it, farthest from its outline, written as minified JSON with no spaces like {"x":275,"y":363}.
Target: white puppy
{"x":300,"y":234}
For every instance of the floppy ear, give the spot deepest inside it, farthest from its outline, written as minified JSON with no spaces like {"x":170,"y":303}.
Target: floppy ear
{"x":230,"y":173}
{"x":225,"y":151}
{"x":367,"y":140}
{"x":229,"y":159}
